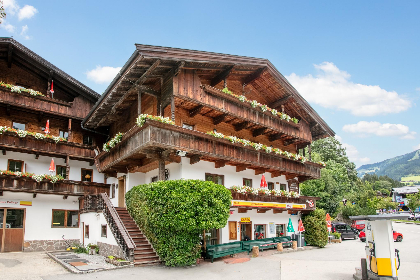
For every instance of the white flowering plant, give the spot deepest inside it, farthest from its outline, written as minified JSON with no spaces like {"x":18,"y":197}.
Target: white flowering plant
{"x":114,"y":141}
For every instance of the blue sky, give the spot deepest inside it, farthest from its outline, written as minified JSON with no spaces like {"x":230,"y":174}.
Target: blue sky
{"x":357,"y":63}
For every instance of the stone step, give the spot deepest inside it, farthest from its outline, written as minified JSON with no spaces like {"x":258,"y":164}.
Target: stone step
{"x":144,"y":249}
{"x":145,"y":259}
{"x":144,"y":254}
{"x":146,"y":263}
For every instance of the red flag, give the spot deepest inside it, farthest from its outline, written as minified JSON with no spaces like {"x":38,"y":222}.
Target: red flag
{"x":328,"y":218}
{"x":52,"y":166}
{"x":300,"y":226}
{"x":47,"y":127}
{"x":263,"y":183}
{"x":52,"y":86}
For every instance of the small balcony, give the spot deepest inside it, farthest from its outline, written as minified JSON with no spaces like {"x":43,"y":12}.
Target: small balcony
{"x":65,"y":187}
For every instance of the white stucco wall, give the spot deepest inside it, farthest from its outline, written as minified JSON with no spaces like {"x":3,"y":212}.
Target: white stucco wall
{"x":42,"y":164}
{"x":95,"y":222}
{"x":39,"y":216}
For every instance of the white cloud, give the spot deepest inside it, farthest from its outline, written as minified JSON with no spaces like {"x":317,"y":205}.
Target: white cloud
{"x":364,"y":129}
{"x":10,"y":6}
{"x":352,"y":153}
{"x":7,"y":26}
{"x":23,"y":32}
{"x":416,"y":147}
{"x":27,"y":12}
{"x":332,"y":88}
{"x":102,"y":75}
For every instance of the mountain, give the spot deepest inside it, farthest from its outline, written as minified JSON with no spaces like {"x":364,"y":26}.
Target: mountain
{"x":397,"y":167}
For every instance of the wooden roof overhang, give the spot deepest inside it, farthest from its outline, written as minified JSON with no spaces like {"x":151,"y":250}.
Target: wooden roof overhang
{"x":141,"y":147}
{"x":14,"y":52}
{"x":150,"y":66}
{"x":46,"y":147}
{"x":64,"y":187}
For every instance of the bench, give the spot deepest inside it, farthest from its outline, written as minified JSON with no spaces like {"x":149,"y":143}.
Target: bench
{"x":286,"y":241}
{"x":221,"y":250}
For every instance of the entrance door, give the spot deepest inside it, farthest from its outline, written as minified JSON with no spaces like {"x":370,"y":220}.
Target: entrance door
{"x":121,"y":192}
{"x":12,"y":229}
{"x":246,"y":232}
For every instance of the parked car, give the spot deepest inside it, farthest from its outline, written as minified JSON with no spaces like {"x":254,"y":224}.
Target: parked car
{"x":398,"y":237}
{"x":345,"y":230}
{"x":414,"y":216}
{"x":359,"y":225}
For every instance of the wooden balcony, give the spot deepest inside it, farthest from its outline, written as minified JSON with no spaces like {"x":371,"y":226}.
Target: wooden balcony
{"x":9,"y":141}
{"x":65,"y":187}
{"x":138,"y":145}
{"x":78,"y":109}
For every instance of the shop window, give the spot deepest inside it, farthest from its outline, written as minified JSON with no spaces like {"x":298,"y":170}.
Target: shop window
{"x":259,"y":232}
{"x":270,"y":186}
{"x":155,"y":179}
{"x":280,"y":230}
{"x":87,"y":231}
{"x":15,"y":165}
{"x":103,"y":230}
{"x":232,"y":231}
{"x":212,"y":236}
{"x":64,"y":134}
{"x":87,"y":140}
{"x":218,"y":179}
{"x":61,"y":170}
{"x":20,"y":126}
{"x":87,"y":175}
{"x":247,"y":182}
{"x":283,"y":187}
{"x":65,"y":218}
{"x":188,"y":126}
{"x":112,"y":191}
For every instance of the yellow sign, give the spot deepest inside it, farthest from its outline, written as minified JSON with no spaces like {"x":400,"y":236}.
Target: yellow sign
{"x":246,"y":220}
{"x":26,"y":203}
{"x":268,"y":204}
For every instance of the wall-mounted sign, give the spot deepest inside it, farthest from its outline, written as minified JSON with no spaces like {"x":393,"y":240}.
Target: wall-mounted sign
{"x":268,"y":204}
{"x":15,"y":202}
{"x":272,"y":228}
{"x":246,"y":220}
{"x":293,"y":185}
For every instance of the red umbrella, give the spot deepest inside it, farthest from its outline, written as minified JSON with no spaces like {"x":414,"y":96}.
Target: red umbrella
{"x":263,"y":183}
{"x":52,"y":166}
{"x":47,"y":127}
{"x":300,"y":226}
{"x":328,"y":218}
{"x":52,"y":87}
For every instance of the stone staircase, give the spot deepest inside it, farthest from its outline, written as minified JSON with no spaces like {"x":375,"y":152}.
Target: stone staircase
{"x":144,"y":254}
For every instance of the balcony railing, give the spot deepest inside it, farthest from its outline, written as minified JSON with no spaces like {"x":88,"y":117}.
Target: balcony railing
{"x":155,"y":135}
{"x":29,"y":144}
{"x":64,"y":187}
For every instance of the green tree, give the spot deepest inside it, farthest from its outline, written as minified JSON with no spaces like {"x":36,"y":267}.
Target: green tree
{"x":2,"y":11}
{"x":413,"y":201}
{"x":316,"y":232}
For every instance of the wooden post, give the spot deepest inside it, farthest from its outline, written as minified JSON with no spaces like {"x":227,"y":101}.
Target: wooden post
{"x":255,"y":251}
{"x":279,"y":247}
{"x":172,"y":108}
{"x":139,"y":103}
{"x":67,"y":167}
{"x":310,"y":152}
{"x":69,"y":131}
{"x":161,"y":169}
{"x":294,"y":245}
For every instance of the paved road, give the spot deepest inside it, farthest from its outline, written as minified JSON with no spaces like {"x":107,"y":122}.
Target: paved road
{"x":335,"y":262}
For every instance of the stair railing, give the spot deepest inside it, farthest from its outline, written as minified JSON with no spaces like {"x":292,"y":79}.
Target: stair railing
{"x":117,"y":227}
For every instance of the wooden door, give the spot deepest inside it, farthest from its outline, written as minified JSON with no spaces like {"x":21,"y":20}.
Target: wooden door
{"x":121,"y":192}
{"x":13,"y":223}
{"x":232,"y":231}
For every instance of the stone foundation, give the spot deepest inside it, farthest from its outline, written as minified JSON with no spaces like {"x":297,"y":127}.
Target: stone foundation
{"x":110,"y":250}
{"x":48,"y":245}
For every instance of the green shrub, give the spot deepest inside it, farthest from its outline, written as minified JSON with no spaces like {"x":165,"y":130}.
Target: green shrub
{"x":316,"y":232}
{"x":336,"y":235}
{"x":172,"y":214}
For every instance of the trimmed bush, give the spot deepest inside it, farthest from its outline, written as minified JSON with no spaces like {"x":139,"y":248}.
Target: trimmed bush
{"x":316,"y":232}
{"x":172,"y":214}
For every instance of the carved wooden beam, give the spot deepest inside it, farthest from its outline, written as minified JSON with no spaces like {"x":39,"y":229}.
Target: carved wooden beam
{"x":148,"y":90}
{"x":222,"y":76}
{"x":274,"y":137}
{"x":36,"y":156}
{"x":219,"y":163}
{"x":242,"y":210}
{"x":303,"y":178}
{"x":219,"y":119}
{"x":290,"y":176}
{"x":4,"y":152}
{"x":280,"y":101}
{"x":240,"y":126}
{"x":9,"y":56}
{"x":275,"y":174}
{"x":65,"y":196}
{"x":277,"y":211}
{"x":259,"y":171}
{"x":262,"y":210}
{"x":291,"y":212}
{"x":193,"y":112}
{"x":289,"y":141}
{"x":174,"y":71}
{"x":252,"y":77}
{"x":34,"y":195}
{"x":258,"y":131}
{"x":240,"y":168}
{"x":194,"y":159}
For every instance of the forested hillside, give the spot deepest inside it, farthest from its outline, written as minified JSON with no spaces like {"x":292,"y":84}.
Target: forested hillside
{"x":395,"y":168}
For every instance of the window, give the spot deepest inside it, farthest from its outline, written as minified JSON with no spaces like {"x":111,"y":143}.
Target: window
{"x":87,"y":140}
{"x":87,"y":175}
{"x":259,"y":232}
{"x":280,"y":230}
{"x":112,"y":191}
{"x":17,"y":125}
{"x":232,"y":231}
{"x":65,"y":218}
{"x":247,"y":182}
{"x":155,"y":179}
{"x":218,"y":179}
{"x":103,"y":230}
{"x":64,"y":134}
{"x":15,"y":165}
{"x":188,"y":126}
{"x":62,"y":171}
{"x":283,"y":187}
{"x":86,"y":231}
{"x":270,"y":185}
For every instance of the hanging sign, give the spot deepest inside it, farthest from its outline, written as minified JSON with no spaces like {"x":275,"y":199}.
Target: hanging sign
{"x":15,"y":202}
{"x":246,"y":220}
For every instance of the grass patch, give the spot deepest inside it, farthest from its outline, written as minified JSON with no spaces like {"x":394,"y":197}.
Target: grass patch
{"x":410,"y":178}
{"x":405,"y":221}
